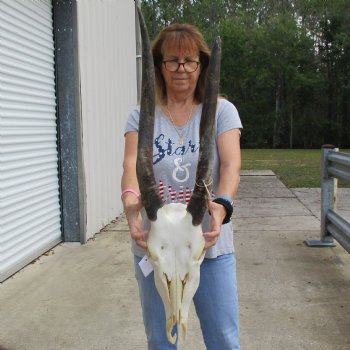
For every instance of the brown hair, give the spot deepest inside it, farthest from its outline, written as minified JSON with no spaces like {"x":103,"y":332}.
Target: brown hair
{"x":183,"y":36}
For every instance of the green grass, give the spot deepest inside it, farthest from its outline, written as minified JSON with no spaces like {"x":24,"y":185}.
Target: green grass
{"x":296,"y":168}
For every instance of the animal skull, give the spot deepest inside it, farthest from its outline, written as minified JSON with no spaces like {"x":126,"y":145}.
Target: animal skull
{"x":175,"y":242}
{"x":176,"y":249}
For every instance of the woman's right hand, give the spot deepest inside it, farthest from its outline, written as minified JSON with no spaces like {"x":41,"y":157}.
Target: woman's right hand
{"x":132,"y":208}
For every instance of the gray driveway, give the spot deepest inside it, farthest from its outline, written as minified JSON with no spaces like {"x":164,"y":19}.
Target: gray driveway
{"x":291,"y":296}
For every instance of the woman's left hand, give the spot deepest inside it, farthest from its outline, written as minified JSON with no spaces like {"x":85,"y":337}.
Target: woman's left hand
{"x":218,"y":213}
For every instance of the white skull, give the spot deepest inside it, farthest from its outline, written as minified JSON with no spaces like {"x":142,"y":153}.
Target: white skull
{"x":176,"y":250}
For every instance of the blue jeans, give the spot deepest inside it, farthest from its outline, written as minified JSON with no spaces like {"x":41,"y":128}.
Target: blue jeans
{"x":216,"y":304}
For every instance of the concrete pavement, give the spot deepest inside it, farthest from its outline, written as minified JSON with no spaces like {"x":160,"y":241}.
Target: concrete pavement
{"x":291,"y":296}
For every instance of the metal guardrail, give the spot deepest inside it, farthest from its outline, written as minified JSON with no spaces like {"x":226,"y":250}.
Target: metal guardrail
{"x":334,"y":165}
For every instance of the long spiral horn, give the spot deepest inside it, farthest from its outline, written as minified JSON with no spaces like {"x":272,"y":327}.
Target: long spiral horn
{"x":198,"y":202}
{"x":144,"y":164}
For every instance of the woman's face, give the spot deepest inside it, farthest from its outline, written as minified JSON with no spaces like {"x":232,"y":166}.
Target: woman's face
{"x":180,"y":83}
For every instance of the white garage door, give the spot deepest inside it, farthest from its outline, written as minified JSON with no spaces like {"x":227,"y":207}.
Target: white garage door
{"x":29,"y":188}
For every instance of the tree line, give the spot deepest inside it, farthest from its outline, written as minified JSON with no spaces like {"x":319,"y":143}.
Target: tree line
{"x":285,"y":64}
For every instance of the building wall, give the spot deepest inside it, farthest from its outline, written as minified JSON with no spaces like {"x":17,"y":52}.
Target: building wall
{"x":29,"y":184}
{"x":107,"y":56}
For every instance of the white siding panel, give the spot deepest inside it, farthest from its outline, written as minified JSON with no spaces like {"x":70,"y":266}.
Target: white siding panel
{"x":107,"y":57}
{"x":29,"y":189}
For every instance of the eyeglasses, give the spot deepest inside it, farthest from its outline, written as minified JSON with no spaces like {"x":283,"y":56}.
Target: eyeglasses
{"x":173,"y":66}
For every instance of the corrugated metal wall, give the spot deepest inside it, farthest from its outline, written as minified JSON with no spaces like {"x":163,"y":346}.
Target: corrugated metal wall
{"x":107,"y":53}
{"x":29,"y":197}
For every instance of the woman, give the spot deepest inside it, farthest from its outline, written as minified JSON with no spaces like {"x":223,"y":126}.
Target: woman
{"x":181,"y":58}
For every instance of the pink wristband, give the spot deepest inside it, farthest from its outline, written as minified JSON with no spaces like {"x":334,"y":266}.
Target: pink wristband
{"x":130,"y":190}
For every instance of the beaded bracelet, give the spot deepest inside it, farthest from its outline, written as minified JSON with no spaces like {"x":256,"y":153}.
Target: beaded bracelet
{"x":227,"y":203}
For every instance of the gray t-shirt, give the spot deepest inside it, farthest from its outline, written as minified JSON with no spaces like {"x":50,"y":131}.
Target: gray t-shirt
{"x":175,"y":163}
